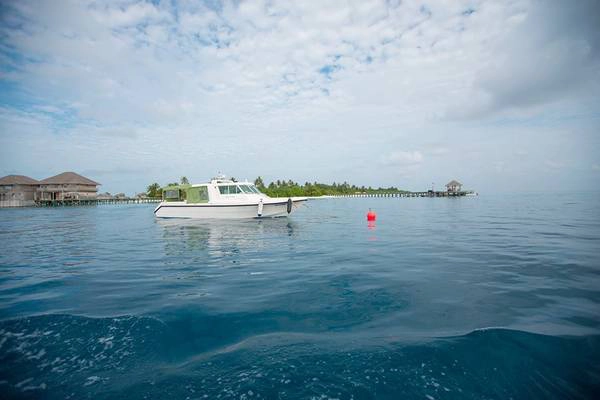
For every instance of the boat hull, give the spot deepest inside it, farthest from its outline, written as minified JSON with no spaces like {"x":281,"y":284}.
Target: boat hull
{"x":222,"y":211}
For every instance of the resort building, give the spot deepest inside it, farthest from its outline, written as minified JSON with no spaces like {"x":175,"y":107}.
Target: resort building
{"x":66,"y":189}
{"x":67,"y":186}
{"x":17,"y":191}
{"x":454,"y":186}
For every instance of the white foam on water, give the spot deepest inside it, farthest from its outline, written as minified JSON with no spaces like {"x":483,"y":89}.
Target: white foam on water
{"x":107,"y":342}
{"x":39,"y":355}
{"x":91,"y":380}
{"x":23,"y":382}
{"x":41,"y":386}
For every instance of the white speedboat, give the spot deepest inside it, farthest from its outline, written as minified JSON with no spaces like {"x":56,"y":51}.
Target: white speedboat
{"x":223,"y":198}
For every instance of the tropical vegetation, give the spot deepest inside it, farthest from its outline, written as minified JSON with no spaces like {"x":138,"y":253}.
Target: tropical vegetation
{"x":283,"y":188}
{"x":154,"y":191}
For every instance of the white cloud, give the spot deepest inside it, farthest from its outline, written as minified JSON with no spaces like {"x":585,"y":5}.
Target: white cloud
{"x":235,"y":86}
{"x":439,"y":151}
{"x":521,"y":153}
{"x":403,"y":158}
{"x":547,"y":53}
{"x":555,"y":164}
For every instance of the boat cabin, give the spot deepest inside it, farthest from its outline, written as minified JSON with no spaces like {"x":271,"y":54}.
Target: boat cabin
{"x":216,"y":190}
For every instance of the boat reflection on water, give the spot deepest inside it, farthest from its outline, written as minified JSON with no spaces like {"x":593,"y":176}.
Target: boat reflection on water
{"x":220,"y":238}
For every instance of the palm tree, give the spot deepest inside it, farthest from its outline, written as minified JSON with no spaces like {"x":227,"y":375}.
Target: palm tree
{"x":184,"y":181}
{"x":153,"y":190}
{"x":258,"y":182}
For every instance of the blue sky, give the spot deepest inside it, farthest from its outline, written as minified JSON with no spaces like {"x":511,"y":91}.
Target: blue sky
{"x":499,"y":95}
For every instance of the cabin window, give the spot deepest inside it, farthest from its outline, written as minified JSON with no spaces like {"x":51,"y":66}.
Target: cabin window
{"x":232,"y":189}
{"x":171,"y":195}
{"x":246,"y":189}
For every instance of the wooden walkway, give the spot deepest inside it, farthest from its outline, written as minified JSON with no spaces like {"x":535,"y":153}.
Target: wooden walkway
{"x":95,"y":202}
{"x":63,"y":203}
{"x":428,"y":193}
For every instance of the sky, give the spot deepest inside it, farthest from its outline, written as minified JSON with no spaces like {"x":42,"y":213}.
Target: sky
{"x":500,"y":95}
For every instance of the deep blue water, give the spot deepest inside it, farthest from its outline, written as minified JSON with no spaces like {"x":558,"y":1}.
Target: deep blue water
{"x":469,"y":298}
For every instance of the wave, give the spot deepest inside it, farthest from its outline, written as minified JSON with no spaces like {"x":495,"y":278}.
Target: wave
{"x":60,"y":356}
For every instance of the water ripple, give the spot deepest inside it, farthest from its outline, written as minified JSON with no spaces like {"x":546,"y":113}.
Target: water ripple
{"x":108,"y":302}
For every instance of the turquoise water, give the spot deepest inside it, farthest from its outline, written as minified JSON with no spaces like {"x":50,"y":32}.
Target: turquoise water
{"x":468,"y":298}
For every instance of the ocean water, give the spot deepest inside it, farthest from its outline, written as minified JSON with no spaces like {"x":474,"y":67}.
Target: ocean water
{"x":496,"y":296}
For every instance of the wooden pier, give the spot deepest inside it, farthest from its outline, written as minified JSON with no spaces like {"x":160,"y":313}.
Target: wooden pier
{"x":93,"y":202}
{"x":128,"y":200}
{"x":429,"y":193}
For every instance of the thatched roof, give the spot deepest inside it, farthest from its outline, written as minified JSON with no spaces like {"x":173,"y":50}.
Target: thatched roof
{"x":453,"y":183}
{"x":18,"y":180}
{"x":68,"y":178}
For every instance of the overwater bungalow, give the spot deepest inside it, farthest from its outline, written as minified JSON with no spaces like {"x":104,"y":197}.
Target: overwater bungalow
{"x":67,"y":186}
{"x":17,"y":191}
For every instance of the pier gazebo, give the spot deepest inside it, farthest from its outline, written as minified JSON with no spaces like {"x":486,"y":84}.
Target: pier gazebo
{"x":454,"y":186}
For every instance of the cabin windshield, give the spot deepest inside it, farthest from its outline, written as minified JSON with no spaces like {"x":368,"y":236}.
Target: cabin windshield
{"x":247,"y":189}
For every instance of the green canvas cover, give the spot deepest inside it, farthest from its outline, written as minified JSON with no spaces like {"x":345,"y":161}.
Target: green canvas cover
{"x":197,"y":194}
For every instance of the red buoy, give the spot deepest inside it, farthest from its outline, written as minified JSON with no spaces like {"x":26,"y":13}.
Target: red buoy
{"x":371,"y":216}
